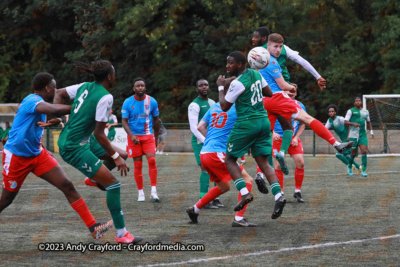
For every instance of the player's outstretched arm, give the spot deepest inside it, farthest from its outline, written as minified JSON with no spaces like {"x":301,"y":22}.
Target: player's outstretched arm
{"x":283,"y":85}
{"x":53,"y":109}
{"x":106,"y":145}
{"x":61,"y":96}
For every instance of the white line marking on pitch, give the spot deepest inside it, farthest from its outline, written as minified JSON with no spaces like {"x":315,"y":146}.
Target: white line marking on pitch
{"x":330,"y":244}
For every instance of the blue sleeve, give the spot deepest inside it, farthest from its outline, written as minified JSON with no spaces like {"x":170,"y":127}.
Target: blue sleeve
{"x":302,"y":106}
{"x":125,"y":109}
{"x":154,"y":106}
{"x":273,"y":69}
{"x":207,"y":117}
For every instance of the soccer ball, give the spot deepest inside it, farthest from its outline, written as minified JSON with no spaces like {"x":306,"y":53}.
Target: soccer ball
{"x":258,"y":58}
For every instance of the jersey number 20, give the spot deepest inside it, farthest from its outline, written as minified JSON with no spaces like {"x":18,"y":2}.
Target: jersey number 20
{"x":256,"y":89}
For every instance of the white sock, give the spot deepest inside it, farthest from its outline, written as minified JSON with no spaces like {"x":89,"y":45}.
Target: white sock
{"x":120,"y":232}
{"x":238,"y":218}
{"x":297,"y":190}
{"x":196,"y":209}
{"x":141,"y":192}
{"x":336,"y":143}
{"x":244,"y":191}
{"x":277,"y":196}
{"x":154,"y":189}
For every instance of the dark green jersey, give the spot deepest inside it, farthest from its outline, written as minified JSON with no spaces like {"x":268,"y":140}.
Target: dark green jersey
{"x":92,"y":103}
{"x":246,"y":92}
{"x":282,"y":62}
{"x":357,"y":116}
{"x":339,"y":127}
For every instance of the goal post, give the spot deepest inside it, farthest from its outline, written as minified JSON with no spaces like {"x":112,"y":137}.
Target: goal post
{"x":384,"y":111}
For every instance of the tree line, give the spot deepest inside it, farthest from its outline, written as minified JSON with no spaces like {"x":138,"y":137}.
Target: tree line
{"x":354,"y":45}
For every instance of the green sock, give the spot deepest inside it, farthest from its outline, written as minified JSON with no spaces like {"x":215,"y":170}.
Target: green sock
{"x":114,"y":204}
{"x":275,"y":188}
{"x":364,"y":162}
{"x":342,"y":158}
{"x":239,"y":183}
{"x":270,"y":161}
{"x":356,"y":164}
{"x":286,"y":140}
{"x":204,"y":183}
{"x":109,"y":164}
{"x":350,"y":159}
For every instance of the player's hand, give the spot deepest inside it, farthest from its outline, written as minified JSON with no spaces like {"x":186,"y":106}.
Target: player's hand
{"x":372,"y":136}
{"x":295,"y":142}
{"x":275,"y":136}
{"x":121,"y":166}
{"x":321,"y":83}
{"x":135,"y":140}
{"x":221,"y":80}
{"x":51,"y":122}
{"x":356,"y":125}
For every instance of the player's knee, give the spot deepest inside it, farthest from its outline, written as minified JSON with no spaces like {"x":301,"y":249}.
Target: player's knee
{"x":67,"y":186}
{"x":300,"y":165}
{"x":224,"y":187}
{"x":152,"y":161}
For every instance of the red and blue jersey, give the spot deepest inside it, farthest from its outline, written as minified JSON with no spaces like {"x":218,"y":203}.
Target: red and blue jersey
{"x":25,"y":134}
{"x":140,"y":114}
{"x":220,"y":124}
{"x":295,"y":123}
{"x":270,"y":73}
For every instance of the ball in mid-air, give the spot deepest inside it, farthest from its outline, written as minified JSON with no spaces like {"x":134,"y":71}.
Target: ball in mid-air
{"x":258,"y":58}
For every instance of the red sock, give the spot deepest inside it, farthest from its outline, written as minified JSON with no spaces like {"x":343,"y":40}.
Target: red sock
{"x":80,"y":207}
{"x":240,"y":213}
{"x":279,"y":175}
{"x":210,"y":196}
{"x":137,"y":173}
{"x":152,"y":170}
{"x":258,"y":169}
{"x":298,"y":178}
{"x":322,"y":131}
{"x":242,"y":158}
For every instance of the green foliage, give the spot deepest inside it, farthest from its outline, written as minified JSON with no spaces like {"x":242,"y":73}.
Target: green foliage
{"x":353,"y":44}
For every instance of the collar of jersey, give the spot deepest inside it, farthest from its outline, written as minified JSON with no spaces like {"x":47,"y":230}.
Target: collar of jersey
{"x":138,"y":99}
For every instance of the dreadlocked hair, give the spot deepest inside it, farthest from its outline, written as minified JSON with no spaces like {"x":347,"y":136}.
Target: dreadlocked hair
{"x":99,"y":69}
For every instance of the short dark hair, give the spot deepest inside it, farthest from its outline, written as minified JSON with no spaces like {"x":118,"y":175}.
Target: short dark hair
{"x":238,"y":56}
{"x":137,"y":80}
{"x":275,"y":38}
{"x":99,"y":69}
{"x":357,"y":97}
{"x":331,"y":106}
{"x":41,"y":80}
{"x":197,"y":82}
{"x":263,"y":31}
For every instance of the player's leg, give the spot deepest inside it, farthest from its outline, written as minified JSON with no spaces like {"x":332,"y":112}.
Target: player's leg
{"x":7,"y":197}
{"x":135,"y":152}
{"x":286,"y":140}
{"x":364,"y":150}
{"x":298,"y":176}
{"x":321,"y":131}
{"x":239,"y":220}
{"x":149,"y":147}
{"x":276,"y":145}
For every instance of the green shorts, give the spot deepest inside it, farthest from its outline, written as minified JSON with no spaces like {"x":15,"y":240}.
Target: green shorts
{"x":254,"y":134}
{"x":362,"y":140}
{"x":85,"y":158}
{"x":111,"y":135}
{"x":196,"y":149}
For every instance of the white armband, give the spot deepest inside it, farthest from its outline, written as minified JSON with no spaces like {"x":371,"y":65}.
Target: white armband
{"x":220,"y":88}
{"x":372,"y":132}
{"x":115,"y":156}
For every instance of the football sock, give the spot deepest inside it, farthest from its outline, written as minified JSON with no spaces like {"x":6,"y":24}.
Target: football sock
{"x":276,"y":190}
{"x":204,"y":183}
{"x":298,"y":178}
{"x":238,"y":218}
{"x":364,"y":162}
{"x":207,"y":198}
{"x":80,"y":207}
{"x":240,"y":213}
{"x":120,"y":232}
{"x":114,"y":204}
{"x":322,"y":131}
{"x":153,"y":189}
{"x":137,"y":173}
{"x":152,"y":171}
{"x":342,"y":158}
{"x":286,"y":140}
{"x":258,"y":168}
{"x":109,"y":164}
{"x":141,"y":192}
{"x":241,"y":185}
{"x":279,"y":175}
{"x":196,"y":209}
{"x":356,"y":164}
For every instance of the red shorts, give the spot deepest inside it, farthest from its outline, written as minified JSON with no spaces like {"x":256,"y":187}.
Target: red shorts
{"x":214,"y":163}
{"x":280,"y":104}
{"x":293,"y":150}
{"x":147,"y":145}
{"x":15,"y":168}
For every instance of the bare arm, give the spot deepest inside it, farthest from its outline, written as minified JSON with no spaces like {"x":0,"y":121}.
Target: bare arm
{"x":61,"y":96}
{"x":221,"y":81}
{"x":156,"y":128}
{"x":53,"y":109}
{"x":351,"y":123}
{"x":106,"y":145}
{"x":283,"y":85}
{"x":127,"y":129}
{"x":266,"y":91}
{"x":369,"y":127}
{"x":295,"y":140}
{"x":202,"y":127}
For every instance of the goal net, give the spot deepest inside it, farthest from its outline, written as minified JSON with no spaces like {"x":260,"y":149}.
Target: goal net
{"x":384,"y":111}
